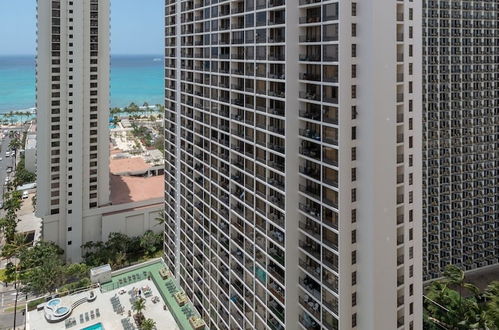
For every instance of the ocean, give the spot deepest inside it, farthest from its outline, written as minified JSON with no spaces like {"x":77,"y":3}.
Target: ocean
{"x":134,"y":78}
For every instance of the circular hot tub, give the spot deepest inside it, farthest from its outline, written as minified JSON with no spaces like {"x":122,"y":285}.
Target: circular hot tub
{"x":54,"y":302}
{"x":61,"y":311}
{"x":55,"y":311}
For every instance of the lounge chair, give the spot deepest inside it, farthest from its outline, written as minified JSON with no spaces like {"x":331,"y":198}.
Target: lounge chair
{"x":81,"y":318}
{"x":92,"y":314}
{"x":97,"y":312}
{"x":86,"y":317}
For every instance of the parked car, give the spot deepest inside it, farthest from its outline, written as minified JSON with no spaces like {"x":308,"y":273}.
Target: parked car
{"x":9,"y":169}
{"x":25,"y":195}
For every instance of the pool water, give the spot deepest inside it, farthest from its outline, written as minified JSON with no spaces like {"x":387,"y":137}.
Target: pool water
{"x":54,"y":302}
{"x":62,"y":310}
{"x":97,"y":326}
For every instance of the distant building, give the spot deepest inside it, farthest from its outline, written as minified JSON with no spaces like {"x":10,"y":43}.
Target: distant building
{"x":30,"y":150}
{"x":77,"y":197}
{"x":460,"y":137}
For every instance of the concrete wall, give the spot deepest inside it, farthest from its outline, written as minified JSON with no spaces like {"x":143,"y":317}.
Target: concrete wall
{"x":30,"y":153}
{"x":133,"y":222}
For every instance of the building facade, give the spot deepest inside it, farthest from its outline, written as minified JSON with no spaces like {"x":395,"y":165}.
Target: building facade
{"x":73,"y":104}
{"x":293,"y":162}
{"x":461,"y":126}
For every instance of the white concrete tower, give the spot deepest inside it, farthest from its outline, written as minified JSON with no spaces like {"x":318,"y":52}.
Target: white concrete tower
{"x":73,"y":106}
{"x":293,"y":162}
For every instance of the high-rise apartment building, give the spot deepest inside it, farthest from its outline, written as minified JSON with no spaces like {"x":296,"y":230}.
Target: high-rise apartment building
{"x":73,"y":106}
{"x":461,"y":126}
{"x":293,"y":161}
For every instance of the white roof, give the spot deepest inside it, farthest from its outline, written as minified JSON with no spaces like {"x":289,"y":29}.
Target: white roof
{"x":100,"y":270}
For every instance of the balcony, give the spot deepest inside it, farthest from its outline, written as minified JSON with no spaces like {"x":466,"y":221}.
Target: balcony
{"x":311,"y":286}
{"x":310,"y":305}
{"x":310,"y":247}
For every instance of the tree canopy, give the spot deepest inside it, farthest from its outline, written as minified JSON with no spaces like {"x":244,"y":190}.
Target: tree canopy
{"x":453,"y":303}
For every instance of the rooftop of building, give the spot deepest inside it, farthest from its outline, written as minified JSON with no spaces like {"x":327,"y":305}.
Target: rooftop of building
{"x":128,"y":189}
{"x":110,"y":304}
{"x":30,"y":142}
{"x":118,"y":166}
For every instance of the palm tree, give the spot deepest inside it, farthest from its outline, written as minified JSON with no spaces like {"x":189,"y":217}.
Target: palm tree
{"x":161,"y":219}
{"x":119,"y":259}
{"x":12,"y":250}
{"x":454,"y":276}
{"x":148,"y":324}
{"x":139,"y":305}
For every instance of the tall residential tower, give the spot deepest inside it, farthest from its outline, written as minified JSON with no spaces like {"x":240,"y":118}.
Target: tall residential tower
{"x":461,"y":135}
{"x":293,"y":161}
{"x":73,"y":106}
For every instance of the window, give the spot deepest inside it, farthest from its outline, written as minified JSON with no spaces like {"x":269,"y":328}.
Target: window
{"x":354,"y":153}
{"x":354,"y":215}
{"x":354,"y":112}
{"x":70,"y":228}
{"x":354,"y":278}
{"x":354,"y":236}
{"x":354,"y":320}
{"x":354,"y":195}
{"x":354,"y":9}
{"x":354,"y":174}
{"x":354,"y":257}
{"x":354,"y":50}
{"x":354,"y":71}
{"x":354,"y":299}
{"x":354,"y":133}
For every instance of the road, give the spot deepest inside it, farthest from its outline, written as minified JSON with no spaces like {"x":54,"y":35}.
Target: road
{"x":6,"y":161}
{"x":8,"y":295}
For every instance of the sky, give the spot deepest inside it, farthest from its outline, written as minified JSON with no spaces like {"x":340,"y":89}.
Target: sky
{"x":136,"y":27}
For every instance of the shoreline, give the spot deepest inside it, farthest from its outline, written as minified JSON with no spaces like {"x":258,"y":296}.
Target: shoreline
{"x":28,"y":114}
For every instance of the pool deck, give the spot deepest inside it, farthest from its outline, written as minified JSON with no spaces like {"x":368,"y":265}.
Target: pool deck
{"x":122,"y":287}
{"x":180,"y":314}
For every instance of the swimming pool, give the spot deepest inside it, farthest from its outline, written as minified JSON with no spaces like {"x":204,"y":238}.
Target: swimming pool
{"x":97,"y":326}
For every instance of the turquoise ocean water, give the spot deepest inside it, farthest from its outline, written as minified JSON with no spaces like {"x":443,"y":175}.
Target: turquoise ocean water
{"x":136,"y":79}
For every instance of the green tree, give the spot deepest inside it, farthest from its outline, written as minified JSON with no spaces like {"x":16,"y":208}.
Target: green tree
{"x":446,"y":306}
{"x":150,"y":242}
{"x":12,"y":252}
{"x":119,"y":260}
{"x":139,"y":306}
{"x":160,"y":219}
{"x":42,"y":268}
{"x":148,"y":324}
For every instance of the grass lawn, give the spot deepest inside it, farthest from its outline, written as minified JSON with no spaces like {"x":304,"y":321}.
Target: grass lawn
{"x":11,"y":309}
